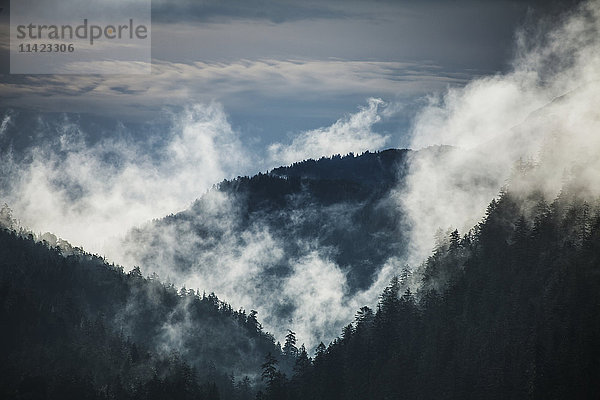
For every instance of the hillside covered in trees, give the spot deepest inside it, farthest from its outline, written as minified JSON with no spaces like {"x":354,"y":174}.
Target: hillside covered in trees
{"x":509,"y":310}
{"x":340,"y":202}
{"x":332,"y":221}
{"x":77,"y":327}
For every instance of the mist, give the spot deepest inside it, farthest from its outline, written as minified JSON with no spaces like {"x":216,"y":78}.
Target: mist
{"x":291,"y":279}
{"x":544,"y":112}
{"x":94,"y":193}
{"x":352,"y":133}
{"x":471,"y":140}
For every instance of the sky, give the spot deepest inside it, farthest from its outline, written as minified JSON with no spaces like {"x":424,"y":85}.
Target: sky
{"x":237,"y":87}
{"x":282,"y":67}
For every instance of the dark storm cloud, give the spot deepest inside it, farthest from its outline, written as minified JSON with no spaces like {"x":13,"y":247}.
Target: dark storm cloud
{"x":453,"y":34}
{"x":4,"y":37}
{"x":217,"y":10}
{"x":279,"y":11}
{"x":125,"y":90}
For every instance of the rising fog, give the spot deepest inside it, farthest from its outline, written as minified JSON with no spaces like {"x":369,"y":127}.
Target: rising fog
{"x":93,"y":195}
{"x":544,"y":112}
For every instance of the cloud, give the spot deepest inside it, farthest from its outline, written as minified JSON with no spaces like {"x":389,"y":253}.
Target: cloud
{"x":272,"y":11}
{"x":317,"y":284}
{"x":543,"y":111}
{"x":292,"y":281}
{"x":92,"y":192}
{"x":89,"y":193}
{"x":350,"y":134}
{"x":243,"y":82}
{"x":6,"y":120}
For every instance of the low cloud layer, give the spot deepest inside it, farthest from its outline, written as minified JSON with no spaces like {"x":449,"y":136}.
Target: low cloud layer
{"x":178,"y":84}
{"x":88,"y":194}
{"x":543,"y":112}
{"x":292,"y":280}
{"x":93,"y":194}
{"x":350,"y":134}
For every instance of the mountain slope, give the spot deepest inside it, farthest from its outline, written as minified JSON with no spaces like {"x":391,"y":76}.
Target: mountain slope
{"x":325,"y":222}
{"x":509,"y":310}
{"x":76,"y":327}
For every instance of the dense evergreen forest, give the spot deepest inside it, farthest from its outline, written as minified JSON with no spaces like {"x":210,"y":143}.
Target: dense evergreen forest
{"x":75,"y":327}
{"x":341,"y":202}
{"x":510,"y":310}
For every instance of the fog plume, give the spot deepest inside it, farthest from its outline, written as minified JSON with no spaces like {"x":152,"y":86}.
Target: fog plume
{"x":350,"y":134}
{"x":90,"y":193}
{"x":544,"y":112}
{"x":291,"y":279}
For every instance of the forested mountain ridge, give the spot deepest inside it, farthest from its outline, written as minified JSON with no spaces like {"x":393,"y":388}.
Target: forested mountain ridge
{"x":362,"y":180}
{"x":381,"y":168}
{"x":77,"y":327}
{"x":247,"y":237}
{"x":509,"y":310}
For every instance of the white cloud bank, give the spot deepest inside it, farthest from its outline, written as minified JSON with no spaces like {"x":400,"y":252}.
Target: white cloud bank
{"x":545,"y":111}
{"x":350,"y":134}
{"x":245,"y":84}
{"x":79,"y":195}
